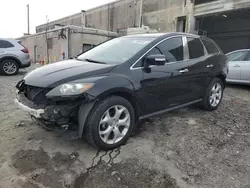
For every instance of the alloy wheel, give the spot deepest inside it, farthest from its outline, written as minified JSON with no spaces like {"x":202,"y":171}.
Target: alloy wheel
{"x":216,"y":94}
{"x":114,"y":124}
{"x":9,"y":67}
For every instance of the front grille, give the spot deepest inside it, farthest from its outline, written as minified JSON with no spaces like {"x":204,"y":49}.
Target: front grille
{"x":36,"y":94}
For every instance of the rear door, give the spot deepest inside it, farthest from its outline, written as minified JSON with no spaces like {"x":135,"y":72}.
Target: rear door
{"x":214,"y":57}
{"x":198,"y":71}
{"x":236,"y":61}
{"x":245,"y":69}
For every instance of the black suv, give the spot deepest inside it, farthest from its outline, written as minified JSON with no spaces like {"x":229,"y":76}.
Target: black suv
{"x":109,"y":88}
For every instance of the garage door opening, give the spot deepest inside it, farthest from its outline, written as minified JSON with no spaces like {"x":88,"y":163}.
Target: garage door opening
{"x":230,"y":30}
{"x":198,"y":2}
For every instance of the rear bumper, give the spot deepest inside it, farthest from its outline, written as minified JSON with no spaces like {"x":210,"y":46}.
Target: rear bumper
{"x":25,"y":64}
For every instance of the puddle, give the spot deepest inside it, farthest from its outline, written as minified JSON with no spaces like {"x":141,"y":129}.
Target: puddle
{"x":124,"y":175}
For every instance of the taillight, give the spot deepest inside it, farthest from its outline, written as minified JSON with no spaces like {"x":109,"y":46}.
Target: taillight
{"x":25,"y":50}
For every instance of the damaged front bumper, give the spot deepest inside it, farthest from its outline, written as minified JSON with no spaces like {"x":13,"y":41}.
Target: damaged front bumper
{"x":33,"y":112}
{"x":27,"y":106}
{"x":59,"y":113}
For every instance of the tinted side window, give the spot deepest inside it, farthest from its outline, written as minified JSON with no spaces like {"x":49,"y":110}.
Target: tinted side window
{"x":196,"y":48}
{"x":5,"y":44}
{"x":172,"y":49}
{"x":154,"y":51}
{"x":237,"y":56}
{"x":211,"y":48}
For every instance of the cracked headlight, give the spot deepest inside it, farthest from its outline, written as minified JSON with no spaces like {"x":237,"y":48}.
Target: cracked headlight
{"x":70,"y":89}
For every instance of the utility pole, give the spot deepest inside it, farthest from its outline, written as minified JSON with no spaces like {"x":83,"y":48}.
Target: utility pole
{"x":46,"y":36}
{"x":28,"y":17}
{"x":140,"y":20}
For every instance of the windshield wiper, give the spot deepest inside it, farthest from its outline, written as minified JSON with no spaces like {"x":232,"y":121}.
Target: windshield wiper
{"x":94,"y":61}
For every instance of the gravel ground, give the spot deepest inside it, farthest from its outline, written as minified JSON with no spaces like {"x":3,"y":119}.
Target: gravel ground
{"x":184,"y":148}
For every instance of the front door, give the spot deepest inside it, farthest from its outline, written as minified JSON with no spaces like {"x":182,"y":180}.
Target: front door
{"x":169,"y":85}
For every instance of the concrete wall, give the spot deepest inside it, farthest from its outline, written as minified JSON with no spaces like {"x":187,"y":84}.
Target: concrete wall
{"x":159,"y":15}
{"x":114,"y":16}
{"x":162,"y":15}
{"x":78,"y":39}
{"x":38,"y":41}
{"x":32,"y":41}
{"x":75,"y":19}
{"x":71,"y":46}
{"x":119,"y":15}
{"x":220,"y":6}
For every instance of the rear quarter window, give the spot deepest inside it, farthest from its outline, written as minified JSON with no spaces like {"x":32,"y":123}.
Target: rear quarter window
{"x":211,"y":48}
{"x":5,"y":44}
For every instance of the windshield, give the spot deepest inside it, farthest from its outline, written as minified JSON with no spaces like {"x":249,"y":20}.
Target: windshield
{"x":116,"y":51}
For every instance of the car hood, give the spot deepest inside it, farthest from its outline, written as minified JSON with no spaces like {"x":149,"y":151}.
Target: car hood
{"x":58,"y":73}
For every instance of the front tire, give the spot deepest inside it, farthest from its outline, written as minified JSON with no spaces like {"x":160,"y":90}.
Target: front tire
{"x":9,"y":67}
{"x":110,"y":123}
{"x":213,"y":95}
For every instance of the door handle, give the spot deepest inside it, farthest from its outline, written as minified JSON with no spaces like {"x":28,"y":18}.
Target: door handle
{"x":184,"y":70}
{"x":210,"y":66}
{"x":236,"y":65}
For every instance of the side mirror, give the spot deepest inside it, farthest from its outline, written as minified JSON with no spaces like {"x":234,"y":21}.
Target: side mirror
{"x":157,"y":60}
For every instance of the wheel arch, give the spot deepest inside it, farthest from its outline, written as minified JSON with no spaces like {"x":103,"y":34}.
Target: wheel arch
{"x":126,"y":94}
{"x":122,"y":92}
{"x":12,"y":58}
{"x":222,"y":77}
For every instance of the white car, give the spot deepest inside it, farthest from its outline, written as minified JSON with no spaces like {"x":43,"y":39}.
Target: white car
{"x":13,"y":56}
{"x":239,"y":66}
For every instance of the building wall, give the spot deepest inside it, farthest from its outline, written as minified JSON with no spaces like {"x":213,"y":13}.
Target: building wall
{"x":71,"y":46}
{"x":38,"y":41}
{"x":77,"y":40}
{"x":162,"y":15}
{"x":159,"y":15}
{"x":75,"y":19}
{"x":218,"y":6}
{"x":126,"y":14}
{"x":119,"y":15}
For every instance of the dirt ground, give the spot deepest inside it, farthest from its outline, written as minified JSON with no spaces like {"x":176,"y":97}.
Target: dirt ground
{"x":186,"y":148}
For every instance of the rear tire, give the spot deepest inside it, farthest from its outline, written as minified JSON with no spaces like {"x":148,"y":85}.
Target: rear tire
{"x":9,"y":67}
{"x":213,"y":95}
{"x":110,"y":123}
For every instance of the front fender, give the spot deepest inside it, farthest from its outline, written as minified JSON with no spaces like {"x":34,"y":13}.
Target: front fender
{"x":103,"y":85}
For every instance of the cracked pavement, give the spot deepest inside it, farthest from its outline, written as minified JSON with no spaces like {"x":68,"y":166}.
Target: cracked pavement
{"x":185,"y":148}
